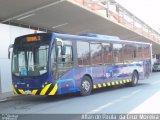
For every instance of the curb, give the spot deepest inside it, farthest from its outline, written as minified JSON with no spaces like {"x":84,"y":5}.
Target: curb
{"x":5,"y":96}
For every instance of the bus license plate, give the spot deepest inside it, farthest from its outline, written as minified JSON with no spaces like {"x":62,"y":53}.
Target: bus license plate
{"x":27,"y":92}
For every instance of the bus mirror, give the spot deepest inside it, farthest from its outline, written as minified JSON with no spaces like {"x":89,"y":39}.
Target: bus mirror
{"x":10,"y":46}
{"x":59,"y":43}
{"x":9,"y":55}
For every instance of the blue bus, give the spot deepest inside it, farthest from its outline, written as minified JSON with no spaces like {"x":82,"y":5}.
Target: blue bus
{"x":54,"y":63}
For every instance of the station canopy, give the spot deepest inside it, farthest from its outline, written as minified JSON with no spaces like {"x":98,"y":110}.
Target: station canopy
{"x":65,"y":16}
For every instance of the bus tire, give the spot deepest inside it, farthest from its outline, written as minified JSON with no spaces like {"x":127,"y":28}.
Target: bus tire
{"x":86,"y":86}
{"x":134,"y":81}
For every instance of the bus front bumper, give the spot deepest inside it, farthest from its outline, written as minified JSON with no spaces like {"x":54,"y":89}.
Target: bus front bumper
{"x":49,"y":89}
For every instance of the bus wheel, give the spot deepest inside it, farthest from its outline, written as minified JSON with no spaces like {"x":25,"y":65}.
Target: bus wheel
{"x":86,"y":86}
{"x":134,"y":81}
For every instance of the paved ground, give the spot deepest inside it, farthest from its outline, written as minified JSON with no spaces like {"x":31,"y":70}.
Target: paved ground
{"x":140,"y":99}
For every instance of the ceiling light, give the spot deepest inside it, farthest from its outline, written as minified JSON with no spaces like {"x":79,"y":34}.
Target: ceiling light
{"x":60,"y":25}
{"x":26,"y":16}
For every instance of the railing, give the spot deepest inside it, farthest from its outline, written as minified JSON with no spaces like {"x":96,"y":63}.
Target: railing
{"x":118,"y":14}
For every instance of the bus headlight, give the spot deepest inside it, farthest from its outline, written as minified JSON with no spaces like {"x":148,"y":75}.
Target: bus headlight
{"x":42,"y":86}
{"x":15,"y":86}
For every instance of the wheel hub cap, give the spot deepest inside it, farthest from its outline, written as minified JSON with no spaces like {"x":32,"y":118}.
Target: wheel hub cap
{"x":86,"y":85}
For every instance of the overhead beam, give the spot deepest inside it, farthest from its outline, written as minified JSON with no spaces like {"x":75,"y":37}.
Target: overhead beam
{"x":32,"y":11}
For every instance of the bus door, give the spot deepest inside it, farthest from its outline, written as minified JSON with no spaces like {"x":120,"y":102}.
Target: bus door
{"x":63,"y":58}
{"x":147,"y":68}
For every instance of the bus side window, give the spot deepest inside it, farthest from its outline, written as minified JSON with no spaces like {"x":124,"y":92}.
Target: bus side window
{"x":139,"y":52}
{"x":146,"y":52}
{"x":107,"y":53}
{"x":96,"y":53}
{"x":83,"y":53}
{"x":129,"y":53}
{"x":67,"y":54}
{"x":118,"y":53}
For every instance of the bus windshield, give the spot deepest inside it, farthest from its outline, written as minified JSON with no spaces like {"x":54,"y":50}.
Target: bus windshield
{"x":30,"y":59}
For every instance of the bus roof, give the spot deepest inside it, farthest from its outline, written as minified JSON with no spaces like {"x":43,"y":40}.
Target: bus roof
{"x":100,"y":38}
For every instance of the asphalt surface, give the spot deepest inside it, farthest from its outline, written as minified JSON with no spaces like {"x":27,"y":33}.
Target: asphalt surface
{"x":119,"y":100}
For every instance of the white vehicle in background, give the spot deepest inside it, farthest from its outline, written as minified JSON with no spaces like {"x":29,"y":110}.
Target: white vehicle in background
{"x":156,"y":65}
{"x":156,"y":62}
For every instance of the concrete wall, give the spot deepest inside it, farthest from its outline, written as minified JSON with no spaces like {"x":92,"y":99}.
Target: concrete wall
{"x":6,"y":85}
{"x":7,"y":35}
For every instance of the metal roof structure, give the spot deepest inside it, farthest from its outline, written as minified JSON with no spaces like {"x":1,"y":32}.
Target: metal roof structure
{"x":72,"y":17}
